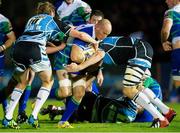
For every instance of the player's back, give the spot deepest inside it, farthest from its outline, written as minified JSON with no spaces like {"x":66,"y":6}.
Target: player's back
{"x":75,"y":14}
{"x":118,"y":49}
{"x":41,"y":28}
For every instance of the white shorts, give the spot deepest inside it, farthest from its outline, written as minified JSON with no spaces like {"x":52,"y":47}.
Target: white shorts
{"x":41,"y":66}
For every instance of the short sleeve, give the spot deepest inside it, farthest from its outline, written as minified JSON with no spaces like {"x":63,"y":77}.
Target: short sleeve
{"x":6,"y":27}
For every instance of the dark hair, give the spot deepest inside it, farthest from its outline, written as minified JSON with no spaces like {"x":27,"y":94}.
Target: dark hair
{"x":97,"y":13}
{"x":45,"y":7}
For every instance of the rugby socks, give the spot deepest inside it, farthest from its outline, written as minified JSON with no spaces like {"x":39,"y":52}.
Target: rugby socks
{"x":72,"y":105}
{"x":5,"y":105}
{"x":15,"y":96}
{"x":3,"y":100}
{"x":141,"y":99}
{"x":41,"y":98}
{"x":24,"y":99}
{"x":156,"y":101}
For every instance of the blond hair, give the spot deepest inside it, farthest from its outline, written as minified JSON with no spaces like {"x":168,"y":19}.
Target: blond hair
{"x":45,"y":8}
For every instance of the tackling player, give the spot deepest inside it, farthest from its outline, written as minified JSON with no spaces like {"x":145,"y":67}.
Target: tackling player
{"x":137,"y":55}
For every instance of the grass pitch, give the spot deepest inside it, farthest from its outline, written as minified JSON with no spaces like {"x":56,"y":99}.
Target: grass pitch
{"x":47,"y":125}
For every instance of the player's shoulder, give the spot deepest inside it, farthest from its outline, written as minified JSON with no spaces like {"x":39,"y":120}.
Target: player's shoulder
{"x":61,"y":6}
{"x":85,"y":5}
{"x":85,"y":26}
{"x":112,"y":38}
{"x":3,"y":18}
{"x":41,"y":16}
{"x":81,"y":3}
{"x":174,"y":9}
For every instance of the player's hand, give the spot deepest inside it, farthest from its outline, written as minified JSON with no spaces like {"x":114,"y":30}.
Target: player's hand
{"x":167,"y":46}
{"x":1,"y":49}
{"x":96,"y":45}
{"x":73,"y":67}
{"x":51,"y":44}
{"x":100,"y":78}
{"x":62,"y":46}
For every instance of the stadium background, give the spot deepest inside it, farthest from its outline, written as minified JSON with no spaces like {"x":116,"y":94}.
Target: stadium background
{"x":140,"y":17}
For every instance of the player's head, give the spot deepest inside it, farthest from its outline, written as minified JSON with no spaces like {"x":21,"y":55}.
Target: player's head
{"x":69,"y":1}
{"x":172,"y":3}
{"x":46,"y":8}
{"x":103,"y":28}
{"x":96,"y":16}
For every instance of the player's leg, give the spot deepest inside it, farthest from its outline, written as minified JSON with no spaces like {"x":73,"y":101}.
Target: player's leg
{"x":79,"y":86}
{"x":167,"y":112}
{"x":15,"y":96}
{"x":64,"y":89}
{"x":47,"y":82}
{"x":153,"y":92}
{"x":61,"y":93}
{"x":64,"y":92}
{"x":132,"y":78}
{"x":4,"y":101}
{"x":22,"y":117}
{"x":175,"y":59}
{"x":6,"y":91}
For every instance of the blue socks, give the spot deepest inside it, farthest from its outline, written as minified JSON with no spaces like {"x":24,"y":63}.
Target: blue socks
{"x":72,"y":105}
{"x":5,"y":105}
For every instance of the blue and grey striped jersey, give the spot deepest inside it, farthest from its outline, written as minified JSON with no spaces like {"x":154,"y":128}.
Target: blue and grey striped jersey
{"x":126,"y":50}
{"x":42,"y":28}
{"x":118,"y":49}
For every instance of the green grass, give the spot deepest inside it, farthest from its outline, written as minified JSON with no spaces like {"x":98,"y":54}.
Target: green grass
{"x":51,"y":126}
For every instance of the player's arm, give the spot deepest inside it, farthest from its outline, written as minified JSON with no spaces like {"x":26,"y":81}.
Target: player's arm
{"x":100,"y":77}
{"x":51,"y":48}
{"x":10,"y":39}
{"x":96,"y":57}
{"x":70,"y":31}
{"x":10,"y":36}
{"x":83,"y":36}
{"x":165,"y":31}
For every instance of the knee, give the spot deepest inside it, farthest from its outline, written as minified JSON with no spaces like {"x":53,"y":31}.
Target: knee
{"x":64,"y":92}
{"x":22,"y":84}
{"x":48,"y":82}
{"x":78,"y":93}
{"x":79,"y":89}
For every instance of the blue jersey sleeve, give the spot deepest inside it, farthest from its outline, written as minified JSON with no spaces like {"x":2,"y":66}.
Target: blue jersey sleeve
{"x":88,"y":30}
